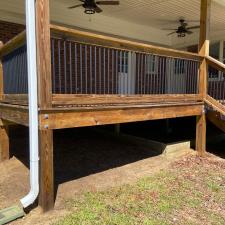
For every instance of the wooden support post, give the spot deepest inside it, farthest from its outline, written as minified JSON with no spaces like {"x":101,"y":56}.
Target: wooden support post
{"x":201,"y":135}
{"x":46,"y":197}
{"x":203,"y":73}
{"x":1,"y":77}
{"x":4,"y":143}
{"x":43,"y":54}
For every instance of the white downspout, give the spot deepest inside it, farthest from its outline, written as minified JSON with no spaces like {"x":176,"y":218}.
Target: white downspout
{"x":33,"y":104}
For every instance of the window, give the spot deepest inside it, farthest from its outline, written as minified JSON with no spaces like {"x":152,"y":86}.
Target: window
{"x":151,"y":64}
{"x":123,"y":62}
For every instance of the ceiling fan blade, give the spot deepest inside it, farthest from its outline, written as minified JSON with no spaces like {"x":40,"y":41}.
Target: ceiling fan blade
{"x":98,"y":10}
{"x":189,"y":32}
{"x":171,"y":33}
{"x":194,"y":27}
{"x":168,"y":29}
{"x":107,"y":2}
{"x":75,"y":6}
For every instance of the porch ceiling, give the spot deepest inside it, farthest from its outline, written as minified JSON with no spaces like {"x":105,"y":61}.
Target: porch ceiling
{"x":146,"y":17}
{"x":160,"y":13}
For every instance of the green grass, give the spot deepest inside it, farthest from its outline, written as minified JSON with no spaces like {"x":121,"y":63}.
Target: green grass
{"x":181,"y":195}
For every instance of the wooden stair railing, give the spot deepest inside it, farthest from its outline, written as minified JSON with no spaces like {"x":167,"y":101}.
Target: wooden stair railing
{"x":216,"y":88}
{"x":213,"y":103}
{"x":216,"y":95}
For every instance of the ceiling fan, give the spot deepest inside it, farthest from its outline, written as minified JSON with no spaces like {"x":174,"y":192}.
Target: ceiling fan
{"x":183,"y":29}
{"x":92,"y":6}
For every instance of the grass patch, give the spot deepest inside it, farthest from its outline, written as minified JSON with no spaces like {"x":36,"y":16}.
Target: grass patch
{"x":179,"y":195}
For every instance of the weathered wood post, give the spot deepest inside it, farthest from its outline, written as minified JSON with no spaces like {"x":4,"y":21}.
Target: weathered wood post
{"x":46,"y":197}
{"x":4,"y":142}
{"x":203,"y":73}
{"x":4,"y":137}
{"x":1,"y":76}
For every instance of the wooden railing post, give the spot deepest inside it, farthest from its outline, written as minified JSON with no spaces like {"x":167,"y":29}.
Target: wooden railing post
{"x":203,"y":73}
{"x":1,"y":76}
{"x":46,"y":198}
{"x":4,"y":137}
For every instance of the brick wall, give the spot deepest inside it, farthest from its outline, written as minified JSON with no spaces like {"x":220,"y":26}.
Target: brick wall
{"x":9,"y":30}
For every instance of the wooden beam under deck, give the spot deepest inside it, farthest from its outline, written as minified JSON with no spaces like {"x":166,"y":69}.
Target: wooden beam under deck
{"x":14,"y":113}
{"x":68,"y":117}
{"x":60,"y":118}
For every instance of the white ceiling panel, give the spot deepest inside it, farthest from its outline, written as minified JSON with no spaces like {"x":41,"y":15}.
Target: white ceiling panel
{"x":157,"y":14}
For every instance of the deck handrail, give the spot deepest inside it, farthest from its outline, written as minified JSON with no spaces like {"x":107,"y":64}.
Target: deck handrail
{"x":215,"y":104}
{"x":122,"y":44}
{"x":213,"y":99}
{"x":215,"y":63}
{"x":13,"y":44}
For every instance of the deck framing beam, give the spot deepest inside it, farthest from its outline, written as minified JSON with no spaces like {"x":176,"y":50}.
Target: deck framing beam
{"x":67,"y":118}
{"x":14,"y":114}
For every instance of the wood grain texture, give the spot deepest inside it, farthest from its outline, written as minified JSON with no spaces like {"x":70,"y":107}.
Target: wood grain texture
{"x":13,"y":44}
{"x":203,"y":78}
{"x":15,"y":99}
{"x":14,"y":113}
{"x":61,"y":118}
{"x":205,"y":16}
{"x":201,"y":135}
{"x":215,"y":104}
{"x":46,"y":196}
{"x":1,"y":76}
{"x":204,"y":44}
{"x":119,"y":43}
{"x":4,"y":143}
{"x":43,"y":54}
{"x":203,"y":73}
{"x":71,"y":99}
{"x":215,"y":64}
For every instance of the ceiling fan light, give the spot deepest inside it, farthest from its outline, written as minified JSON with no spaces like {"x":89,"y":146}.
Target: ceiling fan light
{"x":180,"y":35}
{"x":89,"y":11}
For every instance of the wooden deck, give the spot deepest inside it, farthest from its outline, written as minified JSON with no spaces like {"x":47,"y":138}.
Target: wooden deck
{"x":77,"y":91}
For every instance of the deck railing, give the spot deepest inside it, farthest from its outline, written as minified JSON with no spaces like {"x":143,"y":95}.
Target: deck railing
{"x":14,"y":77}
{"x":79,"y":68}
{"x":89,"y":68}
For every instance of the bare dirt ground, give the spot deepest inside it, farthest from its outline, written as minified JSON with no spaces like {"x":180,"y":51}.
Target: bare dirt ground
{"x":84,"y":162}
